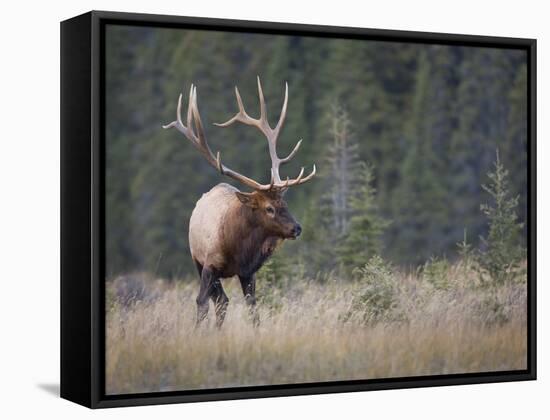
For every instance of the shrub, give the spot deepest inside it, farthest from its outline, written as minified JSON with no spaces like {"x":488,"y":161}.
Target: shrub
{"x":271,"y":280}
{"x":375,"y":299}
{"x":436,"y":271}
{"x":466,"y":252}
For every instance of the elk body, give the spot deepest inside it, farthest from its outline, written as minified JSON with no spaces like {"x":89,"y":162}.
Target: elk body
{"x":232,"y":233}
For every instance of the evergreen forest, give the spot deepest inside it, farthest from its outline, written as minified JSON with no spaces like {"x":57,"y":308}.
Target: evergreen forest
{"x":404,"y":137}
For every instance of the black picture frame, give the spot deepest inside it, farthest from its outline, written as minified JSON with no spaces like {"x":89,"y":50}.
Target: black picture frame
{"x":83,"y":212}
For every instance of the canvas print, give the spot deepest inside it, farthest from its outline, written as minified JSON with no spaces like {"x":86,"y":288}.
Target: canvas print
{"x":285,"y":209}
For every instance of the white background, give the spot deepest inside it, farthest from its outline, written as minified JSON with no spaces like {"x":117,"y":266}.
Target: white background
{"x":29,"y":218}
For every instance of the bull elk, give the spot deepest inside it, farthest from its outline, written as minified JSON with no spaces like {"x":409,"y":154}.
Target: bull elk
{"x":233,"y":233}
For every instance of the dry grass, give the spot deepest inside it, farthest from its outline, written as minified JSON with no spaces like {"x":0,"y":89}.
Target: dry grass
{"x":313,"y":333}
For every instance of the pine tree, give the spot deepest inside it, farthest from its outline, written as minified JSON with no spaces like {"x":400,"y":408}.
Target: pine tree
{"x":366,"y":226}
{"x":342,"y":168}
{"x":501,"y":252}
{"x":350,"y":207}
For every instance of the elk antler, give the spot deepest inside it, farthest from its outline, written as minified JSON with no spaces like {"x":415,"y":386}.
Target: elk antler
{"x":199,"y":141}
{"x":272,"y":135}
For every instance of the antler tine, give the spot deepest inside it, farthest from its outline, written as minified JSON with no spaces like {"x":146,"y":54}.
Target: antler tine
{"x":299,"y":180}
{"x":178,"y":124}
{"x":242,"y":116}
{"x":311,"y":175}
{"x":202,"y":144}
{"x":178,"y":110}
{"x":263,"y":112}
{"x":240,"y":102}
{"x":219,"y":163}
{"x":189,"y":106}
{"x":178,"y":116}
{"x":300,"y":175}
{"x":197,"y":119}
{"x":291,"y":155}
{"x":283,"y":112}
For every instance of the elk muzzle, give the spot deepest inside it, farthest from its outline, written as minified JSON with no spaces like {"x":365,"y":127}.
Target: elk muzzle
{"x":296,"y":231}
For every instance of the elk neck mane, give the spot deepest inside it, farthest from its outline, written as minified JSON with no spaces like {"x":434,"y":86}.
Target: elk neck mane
{"x":247,"y":242}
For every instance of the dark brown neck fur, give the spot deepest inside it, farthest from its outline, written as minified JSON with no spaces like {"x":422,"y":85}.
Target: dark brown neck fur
{"x":247,"y":244}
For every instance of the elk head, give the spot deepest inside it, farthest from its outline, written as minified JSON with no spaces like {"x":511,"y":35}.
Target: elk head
{"x":265,"y":202}
{"x":269,"y":210}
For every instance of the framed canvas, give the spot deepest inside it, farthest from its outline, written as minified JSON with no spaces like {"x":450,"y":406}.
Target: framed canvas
{"x":209,"y":253}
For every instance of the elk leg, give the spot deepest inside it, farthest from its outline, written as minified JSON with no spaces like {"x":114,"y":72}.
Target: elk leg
{"x":248,"y":284}
{"x":207,"y":277}
{"x":199,"y":267}
{"x":220,"y":299}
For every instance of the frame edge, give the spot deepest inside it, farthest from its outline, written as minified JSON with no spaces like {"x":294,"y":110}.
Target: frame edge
{"x":75,"y":129}
{"x":94,"y":389}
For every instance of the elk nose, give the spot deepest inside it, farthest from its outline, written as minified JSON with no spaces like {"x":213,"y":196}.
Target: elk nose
{"x":297,"y":230}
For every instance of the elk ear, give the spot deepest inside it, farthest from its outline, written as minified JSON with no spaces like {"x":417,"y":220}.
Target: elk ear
{"x":248,"y":199}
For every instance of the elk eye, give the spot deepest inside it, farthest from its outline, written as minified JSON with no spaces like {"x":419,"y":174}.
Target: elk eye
{"x":270,"y":210}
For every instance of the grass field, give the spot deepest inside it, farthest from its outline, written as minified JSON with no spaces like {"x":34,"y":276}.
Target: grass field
{"x":383,"y":324}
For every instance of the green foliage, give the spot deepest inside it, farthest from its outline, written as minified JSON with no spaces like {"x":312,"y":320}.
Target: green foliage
{"x":366,"y":226}
{"x":501,"y":252}
{"x":375,"y":299}
{"x":271,"y":282}
{"x":467,"y":254}
{"x":110,"y":297}
{"x":435,"y":271}
{"x":274,"y":271}
{"x":317,"y":255}
{"x":465,"y":250}
{"x":428,"y":116}
{"x":349,"y":204}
